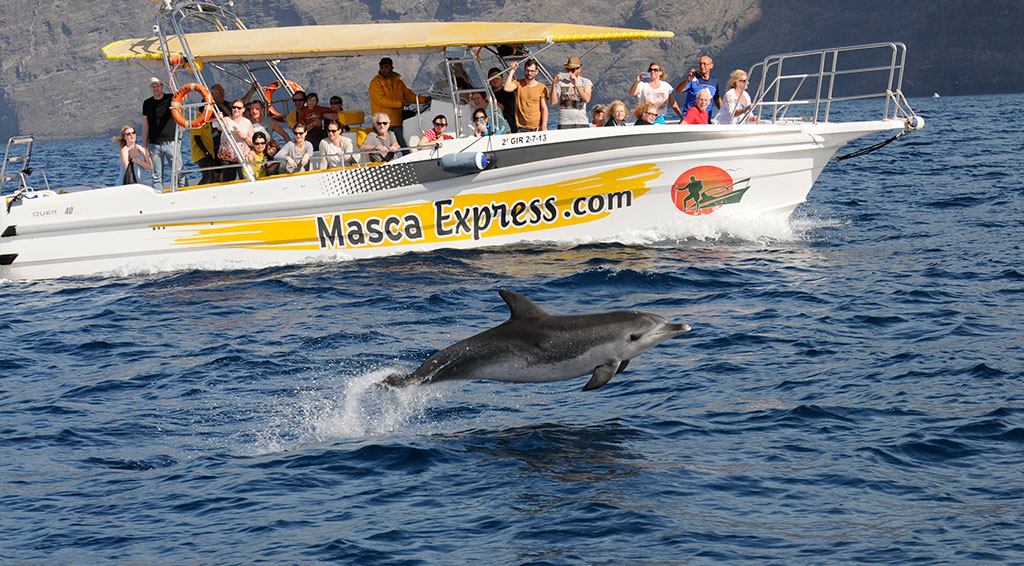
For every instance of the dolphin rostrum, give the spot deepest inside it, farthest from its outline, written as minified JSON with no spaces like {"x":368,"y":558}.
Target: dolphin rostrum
{"x":533,"y":346}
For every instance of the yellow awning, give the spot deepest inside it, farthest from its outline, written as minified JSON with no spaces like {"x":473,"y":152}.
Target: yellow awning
{"x":298,"y":42}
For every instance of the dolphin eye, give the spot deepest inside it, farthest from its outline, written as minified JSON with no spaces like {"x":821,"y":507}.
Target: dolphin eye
{"x":634,"y":337}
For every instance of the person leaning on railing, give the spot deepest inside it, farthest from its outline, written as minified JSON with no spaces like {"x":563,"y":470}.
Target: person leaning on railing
{"x":296,"y":154}
{"x":381,"y":143}
{"x":336,"y":150}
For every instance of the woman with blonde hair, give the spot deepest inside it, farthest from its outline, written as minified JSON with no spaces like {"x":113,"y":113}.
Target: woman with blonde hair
{"x":616,"y":113}
{"x":646,"y":114}
{"x":132,"y":154}
{"x":736,"y":101}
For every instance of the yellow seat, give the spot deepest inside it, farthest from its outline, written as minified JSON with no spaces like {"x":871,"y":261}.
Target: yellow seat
{"x":351,"y":117}
{"x":361,"y":135}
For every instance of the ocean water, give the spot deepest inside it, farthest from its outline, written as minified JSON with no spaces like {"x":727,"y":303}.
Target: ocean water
{"x":852,"y":391}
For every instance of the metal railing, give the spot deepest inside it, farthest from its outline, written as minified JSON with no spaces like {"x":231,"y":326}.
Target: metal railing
{"x":809,"y":82}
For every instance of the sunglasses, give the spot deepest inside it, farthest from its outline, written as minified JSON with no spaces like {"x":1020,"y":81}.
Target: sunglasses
{"x":300,"y":133}
{"x":480,"y":119}
{"x":653,"y":69}
{"x":238,"y":107}
{"x":440,"y":123}
{"x":383,"y":123}
{"x":259,"y":143}
{"x":298,"y":100}
{"x":129,"y":133}
{"x":332,"y":130}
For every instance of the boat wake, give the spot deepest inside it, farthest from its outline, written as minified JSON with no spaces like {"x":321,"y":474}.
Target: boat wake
{"x":759,"y":229}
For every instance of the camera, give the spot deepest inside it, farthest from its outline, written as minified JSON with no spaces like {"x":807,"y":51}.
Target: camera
{"x":645,"y":77}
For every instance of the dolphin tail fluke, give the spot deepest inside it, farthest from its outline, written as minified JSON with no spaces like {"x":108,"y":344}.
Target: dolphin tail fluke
{"x":602,"y":374}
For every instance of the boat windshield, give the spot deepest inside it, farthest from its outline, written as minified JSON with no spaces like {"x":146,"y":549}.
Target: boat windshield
{"x":465,"y":77}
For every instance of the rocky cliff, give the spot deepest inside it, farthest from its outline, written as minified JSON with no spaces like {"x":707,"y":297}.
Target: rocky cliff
{"x":55,"y":83}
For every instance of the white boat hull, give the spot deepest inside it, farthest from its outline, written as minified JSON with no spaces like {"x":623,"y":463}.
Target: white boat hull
{"x":558,"y":186}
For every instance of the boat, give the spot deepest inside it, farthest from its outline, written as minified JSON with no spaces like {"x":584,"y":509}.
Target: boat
{"x":555,"y":186}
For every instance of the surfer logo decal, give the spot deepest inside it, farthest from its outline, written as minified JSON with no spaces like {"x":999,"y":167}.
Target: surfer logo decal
{"x":705,"y":189}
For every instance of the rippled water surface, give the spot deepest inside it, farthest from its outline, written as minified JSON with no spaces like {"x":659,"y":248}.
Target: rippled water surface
{"x":852,"y":392}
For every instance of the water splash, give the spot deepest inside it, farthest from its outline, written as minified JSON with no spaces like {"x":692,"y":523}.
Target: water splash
{"x":354,"y":409}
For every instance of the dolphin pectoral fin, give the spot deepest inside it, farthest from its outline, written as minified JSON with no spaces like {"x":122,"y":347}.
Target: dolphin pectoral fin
{"x":622,"y":367}
{"x":602,"y":374}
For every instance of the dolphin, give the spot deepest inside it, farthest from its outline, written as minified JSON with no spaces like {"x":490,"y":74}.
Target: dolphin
{"x":533,"y":346}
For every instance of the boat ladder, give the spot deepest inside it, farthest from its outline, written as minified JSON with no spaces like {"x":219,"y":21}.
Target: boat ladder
{"x":18,"y":153}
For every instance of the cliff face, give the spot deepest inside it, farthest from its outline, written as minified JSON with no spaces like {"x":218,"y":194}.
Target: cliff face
{"x":55,"y":83}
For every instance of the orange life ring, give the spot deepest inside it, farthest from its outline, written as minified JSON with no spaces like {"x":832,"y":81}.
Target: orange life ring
{"x":179,"y":97}
{"x":269,"y":91}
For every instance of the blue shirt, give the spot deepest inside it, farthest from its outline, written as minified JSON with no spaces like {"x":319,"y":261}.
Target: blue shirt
{"x":694,"y":87}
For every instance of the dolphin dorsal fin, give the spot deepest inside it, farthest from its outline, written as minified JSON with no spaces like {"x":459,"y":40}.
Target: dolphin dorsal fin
{"x":520,"y":306}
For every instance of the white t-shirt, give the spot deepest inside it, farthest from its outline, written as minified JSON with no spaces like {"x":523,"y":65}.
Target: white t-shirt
{"x":729,"y":105}
{"x":333,"y":156}
{"x":571,"y":107}
{"x":657,"y":96}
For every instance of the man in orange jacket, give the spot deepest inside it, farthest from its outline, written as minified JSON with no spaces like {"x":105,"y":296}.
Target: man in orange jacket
{"x":388,"y":94}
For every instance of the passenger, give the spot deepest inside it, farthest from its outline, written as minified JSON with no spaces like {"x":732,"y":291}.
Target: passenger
{"x":298,"y":102}
{"x":336,"y":150}
{"x":571,"y":92}
{"x":381,"y":142}
{"x":313,"y":116}
{"x":599,"y":116}
{"x":436,"y":134}
{"x":531,"y":97}
{"x":296,"y":154}
{"x":698,"y":113}
{"x":506,"y":100}
{"x":158,"y":129}
{"x":736,"y":101}
{"x":258,"y":156}
{"x":388,"y":94}
{"x":646,"y":114}
{"x":261,"y":122}
{"x":271,"y":166}
{"x":132,"y":154}
{"x":239,"y":129}
{"x":217,"y":92}
{"x":203,"y":153}
{"x":698,"y":80}
{"x":481,"y":100}
{"x":481,"y":125}
{"x":652,"y":87}
{"x":338,"y":106}
{"x":617,"y":114}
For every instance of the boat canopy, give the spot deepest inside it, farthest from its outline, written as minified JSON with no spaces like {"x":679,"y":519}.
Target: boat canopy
{"x":299,"y":42}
